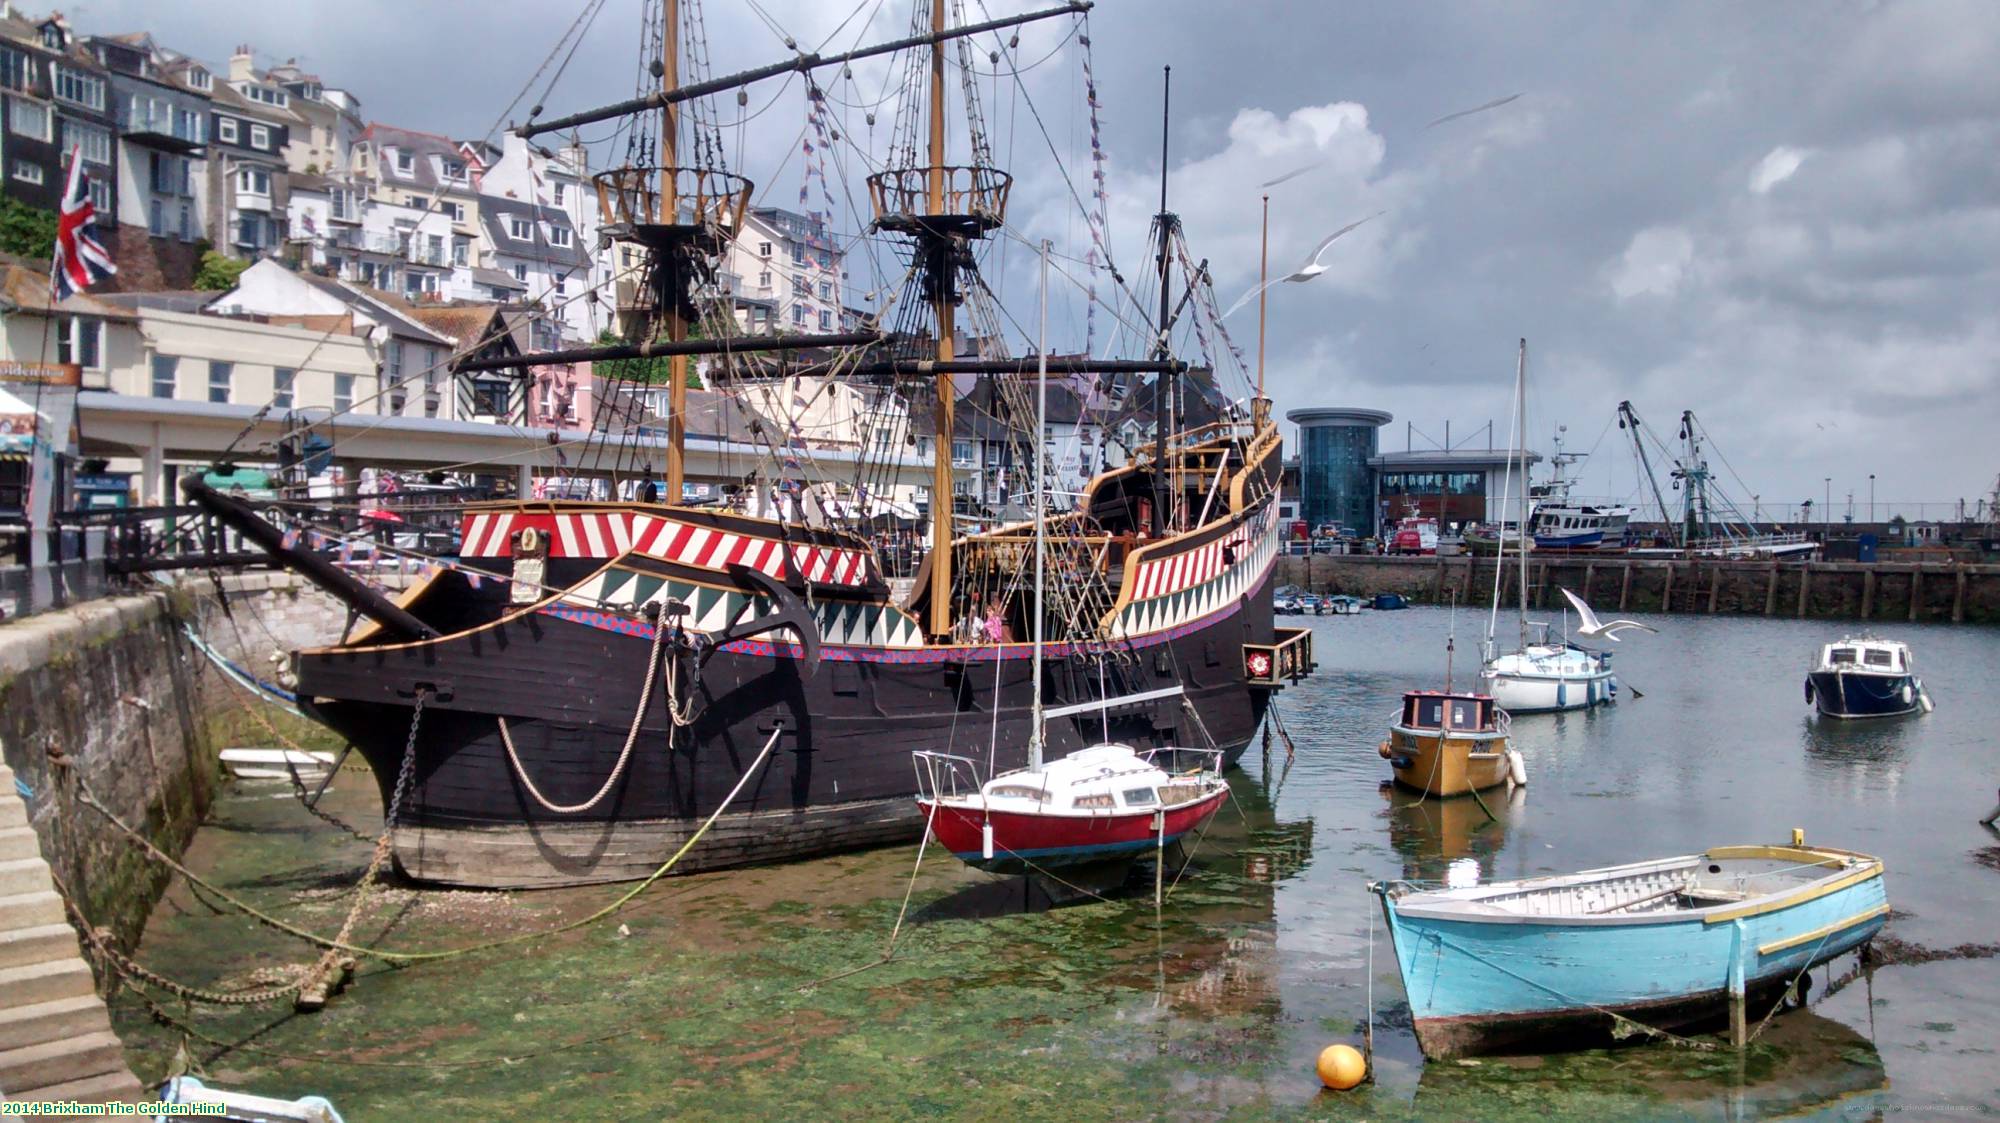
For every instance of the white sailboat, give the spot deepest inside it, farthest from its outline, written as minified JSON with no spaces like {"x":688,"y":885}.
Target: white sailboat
{"x":1545,"y":673}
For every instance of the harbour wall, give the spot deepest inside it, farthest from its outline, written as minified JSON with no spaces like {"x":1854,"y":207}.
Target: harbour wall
{"x":1865,"y":591}
{"x":111,"y":693}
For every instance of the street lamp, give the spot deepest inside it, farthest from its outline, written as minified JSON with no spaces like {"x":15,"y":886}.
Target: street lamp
{"x":1871,"y":498}
{"x":1826,"y":512}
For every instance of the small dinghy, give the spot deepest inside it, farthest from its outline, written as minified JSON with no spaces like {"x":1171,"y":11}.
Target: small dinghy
{"x":1865,"y":677}
{"x":1657,"y":945}
{"x":277,"y":764}
{"x":1104,"y":803}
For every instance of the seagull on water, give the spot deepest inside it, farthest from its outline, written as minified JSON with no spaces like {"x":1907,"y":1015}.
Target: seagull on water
{"x":1594,"y":627}
{"x":1312,"y":268}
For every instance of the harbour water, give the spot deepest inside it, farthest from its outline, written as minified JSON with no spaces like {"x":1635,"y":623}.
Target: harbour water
{"x":752,"y":993}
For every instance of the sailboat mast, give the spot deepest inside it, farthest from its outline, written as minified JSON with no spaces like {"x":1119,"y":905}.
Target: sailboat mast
{"x":1263,"y":282}
{"x":1521,"y":407}
{"x":668,"y":159}
{"x":1163,"y":482}
{"x":1041,"y":504}
{"x":941,"y":498}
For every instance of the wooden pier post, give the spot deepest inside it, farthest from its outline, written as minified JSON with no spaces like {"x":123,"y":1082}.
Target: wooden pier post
{"x":1667,"y":594}
{"x":1589,"y":575}
{"x":1867,"y":592}
{"x":1958,"y":598}
{"x":1771,"y":590}
{"x":1465,"y":590}
{"x":1625,"y":583}
{"x":1916,"y":590}
{"x":1805,"y":586}
{"x":1437,"y":585}
{"x":1714,"y":586}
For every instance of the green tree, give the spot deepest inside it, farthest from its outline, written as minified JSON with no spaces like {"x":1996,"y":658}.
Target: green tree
{"x":218,"y":273}
{"x":650,"y":371}
{"x":26,"y":231}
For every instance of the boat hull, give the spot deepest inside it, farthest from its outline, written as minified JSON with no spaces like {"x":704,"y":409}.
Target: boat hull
{"x":1860,"y":694}
{"x":839,"y":776}
{"x":1446,"y":764}
{"x":1026,"y":843}
{"x":1489,"y":985}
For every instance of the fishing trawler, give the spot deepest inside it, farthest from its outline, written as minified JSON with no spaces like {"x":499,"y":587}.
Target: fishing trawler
{"x":594,"y":687}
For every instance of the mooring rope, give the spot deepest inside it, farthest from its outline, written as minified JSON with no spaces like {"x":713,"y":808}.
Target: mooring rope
{"x":624,"y":754}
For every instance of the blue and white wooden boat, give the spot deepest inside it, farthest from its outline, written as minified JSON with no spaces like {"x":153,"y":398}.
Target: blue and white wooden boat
{"x":1865,"y":677}
{"x":1666,"y":944}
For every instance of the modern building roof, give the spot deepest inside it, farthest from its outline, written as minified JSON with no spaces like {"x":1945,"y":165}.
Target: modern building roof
{"x":1446,"y":459}
{"x":1339,"y":415}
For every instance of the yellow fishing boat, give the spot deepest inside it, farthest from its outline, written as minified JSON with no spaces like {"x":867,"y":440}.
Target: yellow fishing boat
{"x":1446,"y":744}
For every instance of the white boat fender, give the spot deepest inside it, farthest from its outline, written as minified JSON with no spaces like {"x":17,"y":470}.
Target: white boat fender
{"x":1809,"y":692}
{"x":1909,"y":695}
{"x":1517,"y":769}
{"x":1924,"y":697}
{"x":986,"y":840}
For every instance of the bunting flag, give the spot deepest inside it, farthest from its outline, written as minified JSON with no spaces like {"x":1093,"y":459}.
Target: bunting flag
{"x":79,"y":260}
{"x":346,"y":552}
{"x":291,"y":540}
{"x":1094,"y":217}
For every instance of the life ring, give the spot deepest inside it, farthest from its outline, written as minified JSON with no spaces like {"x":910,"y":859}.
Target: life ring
{"x":530,"y":541}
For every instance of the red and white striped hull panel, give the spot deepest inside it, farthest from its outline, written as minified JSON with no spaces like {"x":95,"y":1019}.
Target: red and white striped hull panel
{"x":605,"y":535}
{"x":1179,"y":588}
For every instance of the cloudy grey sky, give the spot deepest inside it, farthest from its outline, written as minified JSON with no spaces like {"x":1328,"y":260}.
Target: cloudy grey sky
{"x":1785,"y":216}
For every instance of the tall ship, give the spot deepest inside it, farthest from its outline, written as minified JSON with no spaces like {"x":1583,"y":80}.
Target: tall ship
{"x":589,"y":686}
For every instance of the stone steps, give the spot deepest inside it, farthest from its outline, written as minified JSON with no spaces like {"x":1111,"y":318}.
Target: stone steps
{"x":24,"y":1072}
{"x":59,"y":1020}
{"x":37,"y":943}
{"x":56,"y":1041}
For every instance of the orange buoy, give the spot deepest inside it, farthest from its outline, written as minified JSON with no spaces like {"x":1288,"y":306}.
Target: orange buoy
{"x":1341,"y":1067}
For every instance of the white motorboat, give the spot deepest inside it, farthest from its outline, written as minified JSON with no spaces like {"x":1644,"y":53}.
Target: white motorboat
{"x":1865,"y":677}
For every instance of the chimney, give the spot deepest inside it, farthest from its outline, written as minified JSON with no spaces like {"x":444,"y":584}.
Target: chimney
{"x":242,"y":65}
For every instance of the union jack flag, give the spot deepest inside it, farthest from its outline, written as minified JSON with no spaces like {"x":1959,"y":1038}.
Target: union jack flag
{"x":80,"y":259}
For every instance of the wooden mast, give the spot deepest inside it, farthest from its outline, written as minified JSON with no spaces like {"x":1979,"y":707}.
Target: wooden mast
{"x":669,"y":155}
{"x":1261,"y":406}
{"x":941,"y":497}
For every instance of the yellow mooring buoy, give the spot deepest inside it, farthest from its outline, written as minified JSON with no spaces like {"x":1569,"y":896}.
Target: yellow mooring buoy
{"x":1341,"y":1067}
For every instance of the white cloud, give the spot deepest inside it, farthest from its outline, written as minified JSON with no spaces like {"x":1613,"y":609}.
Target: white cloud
{"x":1653,"y":264}
{"x":1775,"y":168}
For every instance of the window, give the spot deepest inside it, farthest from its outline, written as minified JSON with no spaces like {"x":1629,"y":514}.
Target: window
{"x":763,"y":249}
{"x":163,"y":177}
{"x":395,"y":361}
{"x":52,"y":36}
{"x":1876,"y":657}
{"x":163,"y":375}
{"x":406,"y":163}
{"x":187,"y":125}
{"x":250,"y":231}
{"x":560,"y":237}
{"x":764,"y":279}
{"x":17,"y":69}
{"x":225,"y":129}
{"x":826,"y":290}
{"x":218,"y":380}
{"x":253,"y":181}
{"x":520,"y":272}
{"x":78,"y":342}
{"x":961,"y":452}
{"x":26,"y":172}
{"x":343,"y":393}
{"x":200,"y":79}
{"x":801,"y":287}
{"x":798,"y":254}
{"x":561,"y":193}
{"x":100,"y":195}
{"x":28,"y":119}
{"x":260,"y":137}
{"x":338,"y":203}
{"x":82,"y":89}
{"x":798,"y":315}
{"x":562,"y":284}
{"x":454,"y":170}
{"x":461,"y":251}
{"x":267,"y":95}
{"x":281,"y":387}
{"x":1140,"y":797}
{"x":156,"y":219}
{"x":519,"y":230}
{"x":455,"y":210}
{"x":825,"y":320}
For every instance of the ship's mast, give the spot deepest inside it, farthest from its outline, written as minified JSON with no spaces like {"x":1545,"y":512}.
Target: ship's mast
{"x":941,"y":302}
{"x":1261,"y":407}
{"x":1166,"y":488}
{"x":669,"y":159}
{"x":1521,"y":404}
{"x":1041,"y":504}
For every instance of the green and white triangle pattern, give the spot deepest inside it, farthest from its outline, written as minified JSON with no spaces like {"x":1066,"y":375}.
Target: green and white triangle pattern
{"x":842,"y":623}
{"x":1160,"y":613}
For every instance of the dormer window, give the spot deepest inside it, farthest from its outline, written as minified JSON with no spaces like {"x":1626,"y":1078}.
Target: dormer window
{"x":267,"y":95}
{"x":454,"y":170}
{"x":559,"y":237}
{"x":519,"y":229}
{"x":561,"y":193}
{"x":406,"y":162}
{"x":201,"y":79}
{"x":52,"y":35}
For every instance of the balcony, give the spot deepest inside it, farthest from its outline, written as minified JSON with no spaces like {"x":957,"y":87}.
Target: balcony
{"x":159,"y":130}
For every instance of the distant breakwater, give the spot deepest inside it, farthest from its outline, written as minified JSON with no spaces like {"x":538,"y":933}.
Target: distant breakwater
{"x":1940,"y":592}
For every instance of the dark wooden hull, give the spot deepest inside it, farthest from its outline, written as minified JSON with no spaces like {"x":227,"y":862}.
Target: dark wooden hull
{"x":840,"y":776}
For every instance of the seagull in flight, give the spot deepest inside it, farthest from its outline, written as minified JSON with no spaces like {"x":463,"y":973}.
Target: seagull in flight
{"x":1312,"y":268}
{"x":1594,"y":627}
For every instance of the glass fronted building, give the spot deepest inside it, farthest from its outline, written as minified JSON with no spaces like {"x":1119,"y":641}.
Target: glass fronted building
{"x":1336,"y":481}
